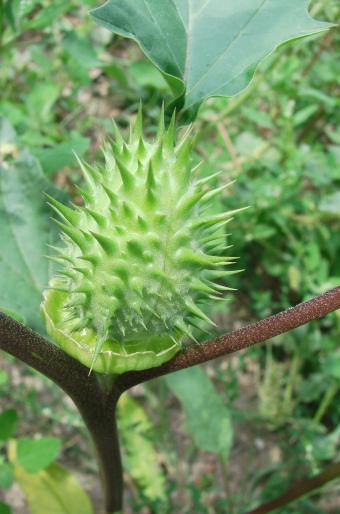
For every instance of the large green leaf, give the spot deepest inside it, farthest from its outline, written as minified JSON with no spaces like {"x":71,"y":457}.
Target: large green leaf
{"x":207,"y":47}
{"x":207,"y":418}
{"x":25,"y":228}
{"x":140,"y":457}
{"x":36,"y":454}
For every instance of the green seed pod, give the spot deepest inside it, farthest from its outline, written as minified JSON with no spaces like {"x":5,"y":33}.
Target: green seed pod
{"x":139,"y":256}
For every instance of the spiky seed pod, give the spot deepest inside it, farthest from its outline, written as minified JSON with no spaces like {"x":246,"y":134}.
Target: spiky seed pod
{"x":139,"y":256}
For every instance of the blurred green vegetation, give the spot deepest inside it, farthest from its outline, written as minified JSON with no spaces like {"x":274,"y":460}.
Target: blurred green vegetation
{"x":63,"y":79}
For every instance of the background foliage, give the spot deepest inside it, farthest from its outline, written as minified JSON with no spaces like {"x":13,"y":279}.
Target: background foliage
{"x":63,"y":79}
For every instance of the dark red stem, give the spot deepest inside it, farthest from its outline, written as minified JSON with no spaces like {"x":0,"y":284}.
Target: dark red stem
{"x":239,"y":339}
{"x":305,"y":486}
{"x":97,"y":404}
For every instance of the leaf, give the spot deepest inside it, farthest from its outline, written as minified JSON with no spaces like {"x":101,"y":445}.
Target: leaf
{"x":26,"y":8}
{"x":8,"y":15}
{"x":46,"y":15}
{"x":3,"y":377}
{"x":25,"y":228}
{"x":209,"y":48}
{"x":8,"y":424}
{"x":331,"y":364}
{"x":302,"y":116}
{"x":140,"y":457}
{"x":115,"y":72}
{"x":53,"y":490}
{"x":330,"y":204}
{"x":40,"y":101}
{"x":80,"y":49}
{"x":146,"y":75}
{"x":207,"y":418}
{"x":6,"y":475}
{"x":36,"y":454}
{"x":5,"y":509}
{"x":319,"y":446}
{"x":60,"y":155}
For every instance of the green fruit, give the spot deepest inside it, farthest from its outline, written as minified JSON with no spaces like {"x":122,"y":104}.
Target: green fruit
{"x":139,"y":256}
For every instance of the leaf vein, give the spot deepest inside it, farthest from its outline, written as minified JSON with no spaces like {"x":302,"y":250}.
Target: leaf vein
{"x":160,"y":32}
{"x":228,"y":48}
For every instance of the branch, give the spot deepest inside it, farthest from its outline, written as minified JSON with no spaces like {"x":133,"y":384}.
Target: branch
{"x":44,"y":356}
{"x":304,"y":487}
{"x":96,"y":407}
{"x":239,"y":339}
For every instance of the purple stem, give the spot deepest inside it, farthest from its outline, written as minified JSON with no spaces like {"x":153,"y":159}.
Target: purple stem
{"x":97,"y":404}
{"x":305,"y":486}
{"x":239,"y":339}
{"x":96,"y":407}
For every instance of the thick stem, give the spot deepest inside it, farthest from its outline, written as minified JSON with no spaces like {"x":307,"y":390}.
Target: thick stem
{"x":304,"y":487}
{"x":100,"y":419}
{"x":239,"y":339}
{"x":98,"y":407}
{"x":47,"y":358}
{"x":92,"y":401}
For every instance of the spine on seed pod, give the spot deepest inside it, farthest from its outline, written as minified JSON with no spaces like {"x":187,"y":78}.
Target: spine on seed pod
{"x":138,"y":258}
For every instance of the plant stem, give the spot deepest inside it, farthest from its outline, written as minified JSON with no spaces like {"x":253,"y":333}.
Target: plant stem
{"x":325,"y":43}
{"x":95,"y":405}
{"x":224,"y":468}
{"x":328,"y":397}
{"x":238,"y":339}
{"x":293,"y":376}
{"x":304,"y":487}
{"x":100,"y":420}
